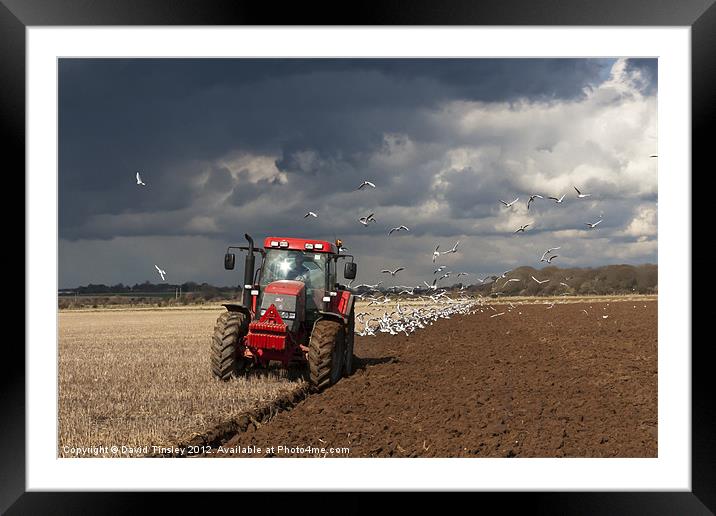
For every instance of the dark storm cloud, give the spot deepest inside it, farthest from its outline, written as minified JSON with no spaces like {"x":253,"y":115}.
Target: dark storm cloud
{"x":246,"y":191}
{"x":118,"y":116}
{"x":471,"y":194}
{"x":219,"y":180}
{"x":249,"y":145}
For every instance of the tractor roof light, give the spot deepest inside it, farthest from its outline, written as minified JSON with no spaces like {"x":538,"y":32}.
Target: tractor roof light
{"x":274,"y":243}
{"x":326,"y":299}
{"x":283,"y":243}
{"x":310,"y":246}
{"x":318,"y":246}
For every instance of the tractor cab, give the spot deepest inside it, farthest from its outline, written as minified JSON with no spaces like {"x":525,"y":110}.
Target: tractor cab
{"x":311,"y":262}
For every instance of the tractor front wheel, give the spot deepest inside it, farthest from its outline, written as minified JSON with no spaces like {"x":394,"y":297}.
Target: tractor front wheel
{"x":326,"y":353}
{"x":229,"y":331}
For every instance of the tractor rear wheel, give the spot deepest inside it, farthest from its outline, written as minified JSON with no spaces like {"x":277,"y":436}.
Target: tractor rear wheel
{"x":230,"y":329}
{"x":326,"y":353}
{"x":350,"y":337}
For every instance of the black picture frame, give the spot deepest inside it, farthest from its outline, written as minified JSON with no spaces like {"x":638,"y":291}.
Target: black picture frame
{"x":17,"y":15}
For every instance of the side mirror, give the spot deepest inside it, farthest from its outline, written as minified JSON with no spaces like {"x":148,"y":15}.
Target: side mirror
{"x":229,"y":261}
{"x":350,"y":270}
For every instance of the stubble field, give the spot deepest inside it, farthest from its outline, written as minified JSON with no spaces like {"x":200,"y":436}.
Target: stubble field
{"x":141,"y":377}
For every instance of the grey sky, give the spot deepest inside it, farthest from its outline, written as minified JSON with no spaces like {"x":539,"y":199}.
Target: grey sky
{"x":234,"y":146}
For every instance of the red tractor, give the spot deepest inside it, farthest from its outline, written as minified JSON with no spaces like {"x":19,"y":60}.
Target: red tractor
{"x":293,"y":311}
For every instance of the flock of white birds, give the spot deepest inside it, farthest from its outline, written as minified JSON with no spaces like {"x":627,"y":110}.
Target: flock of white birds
{"x":366,"y":220}
{"x":408,"y":318}
{"x":370,"y":218}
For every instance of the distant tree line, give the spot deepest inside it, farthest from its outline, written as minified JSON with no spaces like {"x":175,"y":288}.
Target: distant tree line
{"x":144,"y":294}
{"x":147,"y":287}
{"x":606,"y":280}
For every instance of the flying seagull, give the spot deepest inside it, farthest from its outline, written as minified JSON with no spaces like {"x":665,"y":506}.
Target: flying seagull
{"x":592,"y":225}
{"x":532,"y":198}
{"x":161,"y":272}
{"x":372,"y":287}
{"x":508,"y":204}
{"x":549,"y":260}
{"x":581,"y":195}
{"x":392,"y":273}
{"x":462,"y":274}
{"x":558,"y":201}
{"x":399,"y":228}
{"x":511,"y":279}
{"x":139,"y":180}
{"x":310,"y":214}
{"x":436,"y":253}
{"x":453,"y":250}
{"x":522,"y":228}
{"x":538,"y":281}
{"x":439,"y":269}
{"x":366,"y":183}
{"x":366,"y":220}
{"x":548,"y":251}
{"x":433,"y":286}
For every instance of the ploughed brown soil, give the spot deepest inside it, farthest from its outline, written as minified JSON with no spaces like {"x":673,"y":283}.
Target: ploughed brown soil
{"x":541,"y":383}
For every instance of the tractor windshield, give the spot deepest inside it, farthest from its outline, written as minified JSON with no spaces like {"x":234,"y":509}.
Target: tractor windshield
{"x":305,"y":266}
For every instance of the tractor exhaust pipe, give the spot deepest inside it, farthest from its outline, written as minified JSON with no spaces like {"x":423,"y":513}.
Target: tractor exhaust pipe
{"x":248,"y":272}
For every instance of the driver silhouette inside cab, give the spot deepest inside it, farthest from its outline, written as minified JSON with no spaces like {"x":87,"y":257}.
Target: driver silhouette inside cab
{"x":298,"y":271}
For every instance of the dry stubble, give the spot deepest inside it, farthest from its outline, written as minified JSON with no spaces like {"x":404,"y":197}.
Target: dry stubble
{"x":139,"y":378}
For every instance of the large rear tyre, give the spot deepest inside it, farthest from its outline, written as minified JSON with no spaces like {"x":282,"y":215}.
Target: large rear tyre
{"x":350,"y":337}
{"x":326,"y":353}
{"x":229,"y":331}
